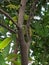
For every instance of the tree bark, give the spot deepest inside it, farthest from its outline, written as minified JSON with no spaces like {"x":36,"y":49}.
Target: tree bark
{"x":23,"y":48}
{"x":23,"y":45}
{"x":21,"y":13}
{"x":24,"y":55}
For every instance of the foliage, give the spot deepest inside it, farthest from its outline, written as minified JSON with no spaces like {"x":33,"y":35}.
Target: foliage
{"x":39,"y":32}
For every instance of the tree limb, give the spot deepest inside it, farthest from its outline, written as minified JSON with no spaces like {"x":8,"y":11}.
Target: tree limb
{"x":31,"y":15}
{"x":8,"y":16}
{"x":21,"y":19}
{"x":8,"y":28}
{"x":23,"y":45}
{"x":21,"y":12}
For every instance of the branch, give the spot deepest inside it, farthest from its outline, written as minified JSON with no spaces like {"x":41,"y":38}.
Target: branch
{"x":21,"y":12}
{"x":32,"y":10}
{"x":8,"y":28}
{"x":21,"y":20}
{"x":31,"y":15}
{"x":7,"y":15}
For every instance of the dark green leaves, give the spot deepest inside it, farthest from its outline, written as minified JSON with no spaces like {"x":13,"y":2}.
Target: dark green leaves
{"x":2,"y":61}
{"x":41,"y":29}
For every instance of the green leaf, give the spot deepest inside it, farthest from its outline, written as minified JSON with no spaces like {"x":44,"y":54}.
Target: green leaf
{"x":11,"y":6}
{"x":1,"y":29}
{"x":26,"y":17}
{"x":11,"y":56}
{"x":5,"y":42}
{"x":6,"y":51}
{"x":42,"y":30}
{"x":0,"y":41}
{"x":47,"y":26}
{"x":18,"y":62}
{"x":2,"y":61}
{"x":15,"y":18}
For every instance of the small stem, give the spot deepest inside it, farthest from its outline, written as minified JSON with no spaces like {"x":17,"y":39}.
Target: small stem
{"x":7,"y":15}
{"x":8,"y":28}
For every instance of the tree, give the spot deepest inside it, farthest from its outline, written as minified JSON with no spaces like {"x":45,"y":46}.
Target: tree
{"x":26,"y":32}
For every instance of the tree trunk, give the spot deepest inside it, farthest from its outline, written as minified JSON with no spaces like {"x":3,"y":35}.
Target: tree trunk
{"x":24,"y":55}
{"x":23,"y":48}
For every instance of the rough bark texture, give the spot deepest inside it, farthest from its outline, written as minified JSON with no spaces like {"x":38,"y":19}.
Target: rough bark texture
{"x":23,"y":48}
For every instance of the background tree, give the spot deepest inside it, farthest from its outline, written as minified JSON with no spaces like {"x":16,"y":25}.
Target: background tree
{"x":25,"y":23}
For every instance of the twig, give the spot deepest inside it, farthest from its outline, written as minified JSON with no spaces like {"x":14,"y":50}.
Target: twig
{"x":8,"y":16}
{"x":8,"y":28}
{"x":31,"y":15}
